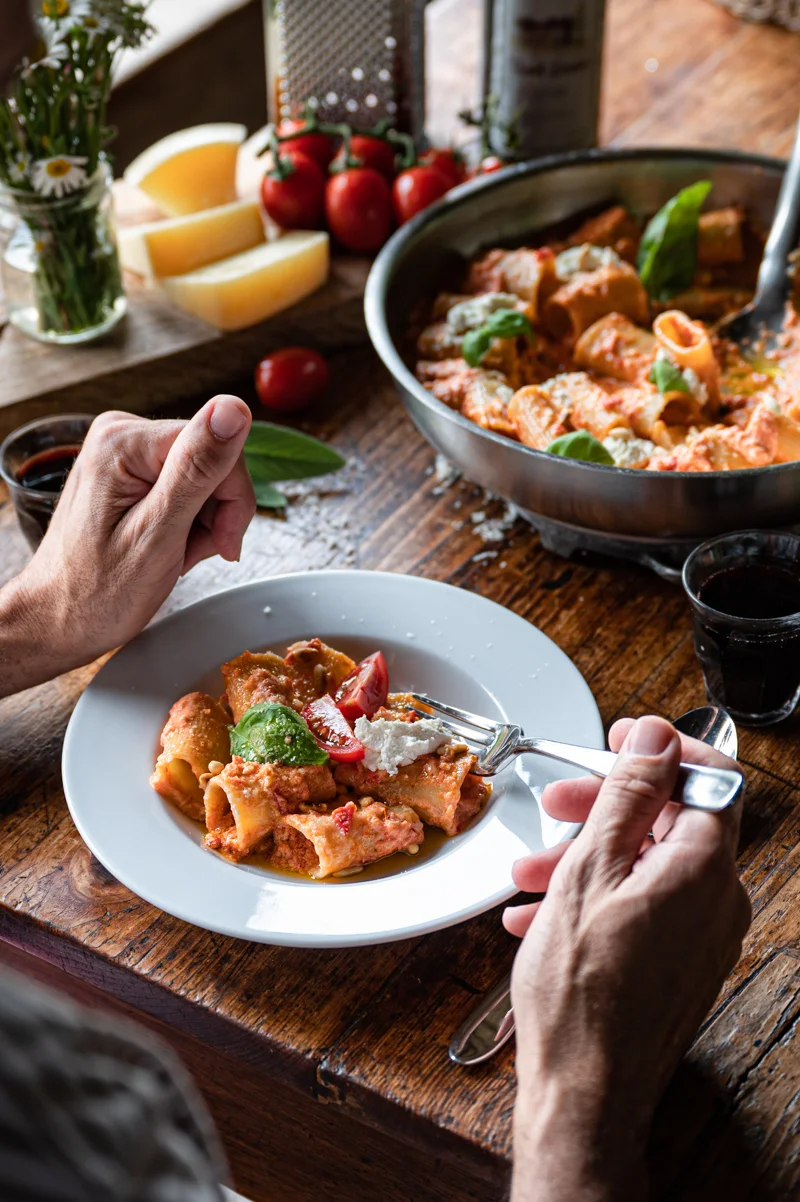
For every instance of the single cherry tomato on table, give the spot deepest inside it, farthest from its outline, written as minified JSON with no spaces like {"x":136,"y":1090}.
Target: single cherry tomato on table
{"x":332,"y":731}
{"x":358,"y":208}
{"x":369,"y":152}
{"x":447,"y":161}
{"x":289,"y":379}
{"x":293,"y":192}
{"x":366,"y":688}
{"x":318,"y":146}
{"x":415,"y":189}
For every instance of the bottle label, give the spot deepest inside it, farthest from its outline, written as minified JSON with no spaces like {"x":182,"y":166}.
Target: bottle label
{"x":544,"y":69}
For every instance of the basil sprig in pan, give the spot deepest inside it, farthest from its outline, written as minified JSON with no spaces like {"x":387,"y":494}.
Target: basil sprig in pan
{"x":667,"y":377}
{"x":580,"y":444}
{"x":503,"y":323}
{"x":273,"y":453}
{"x":668,"y":250}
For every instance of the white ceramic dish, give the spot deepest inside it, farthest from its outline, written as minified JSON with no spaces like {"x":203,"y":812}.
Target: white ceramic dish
{"x":437,"y":639}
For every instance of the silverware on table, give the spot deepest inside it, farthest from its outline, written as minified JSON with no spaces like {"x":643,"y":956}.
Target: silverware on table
{"x":497,"y":743}
{"x":759,"y":323}
{"x":491,"y":1024}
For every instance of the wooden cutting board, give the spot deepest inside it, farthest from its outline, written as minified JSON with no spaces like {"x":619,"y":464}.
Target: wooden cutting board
{"x":159,"y":354}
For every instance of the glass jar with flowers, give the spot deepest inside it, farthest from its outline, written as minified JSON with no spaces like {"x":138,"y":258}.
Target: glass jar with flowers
{"x":58,"y":255}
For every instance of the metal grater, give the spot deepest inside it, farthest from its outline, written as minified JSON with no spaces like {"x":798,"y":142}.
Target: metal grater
{"x":352,"y":60}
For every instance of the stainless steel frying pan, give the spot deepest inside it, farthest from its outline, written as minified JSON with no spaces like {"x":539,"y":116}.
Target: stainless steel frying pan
{"x":504,"y":209}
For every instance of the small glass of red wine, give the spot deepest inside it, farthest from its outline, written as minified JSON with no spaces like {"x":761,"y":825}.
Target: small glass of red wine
{"x":745,"y":594}
{"x":35,"y":461}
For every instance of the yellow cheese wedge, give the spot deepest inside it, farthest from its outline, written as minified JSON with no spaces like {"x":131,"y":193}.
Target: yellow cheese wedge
{"x":181,"y":244}
{"x":246,"y":288}
{"x":190,"y":170}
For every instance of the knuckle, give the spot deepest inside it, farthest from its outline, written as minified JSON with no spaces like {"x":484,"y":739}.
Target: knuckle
{"x":199,"y":466}
{"x":637,"y":787}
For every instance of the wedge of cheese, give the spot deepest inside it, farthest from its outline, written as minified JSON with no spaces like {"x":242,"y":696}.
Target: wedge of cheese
{"x":189,"y":170}
{"x":181,"y":244}
{"x":246,"y":288}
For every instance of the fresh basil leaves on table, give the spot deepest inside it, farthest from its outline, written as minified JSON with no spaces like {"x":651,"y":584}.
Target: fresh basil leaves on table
{"x":668,"y":250}
{"x":273,"y":453}
{"x":667,"y":377}
{"x":271,"y":733}
{"x":580,"y":444}
{"x":503,"y":323}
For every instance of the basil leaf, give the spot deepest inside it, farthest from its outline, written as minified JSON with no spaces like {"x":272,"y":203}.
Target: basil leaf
{"x":275,"y":734}
{"x":279,"y":453}
{"x":668,"y":250}
{"x":667,"y":377}
{"x":475,"y":344}
{"x":580,"y":444}
{"x":507,"y":323}
{"x":267,"y":497}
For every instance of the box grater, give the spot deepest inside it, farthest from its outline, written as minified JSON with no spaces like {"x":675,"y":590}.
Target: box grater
{"x":352,"y":60}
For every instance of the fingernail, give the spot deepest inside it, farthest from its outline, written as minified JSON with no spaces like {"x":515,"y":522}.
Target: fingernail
{"x":227,"y":420}
{"x":649,"y":736}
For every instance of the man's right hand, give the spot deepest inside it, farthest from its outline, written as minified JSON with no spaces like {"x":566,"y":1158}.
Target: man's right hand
{"x":619,"y":964}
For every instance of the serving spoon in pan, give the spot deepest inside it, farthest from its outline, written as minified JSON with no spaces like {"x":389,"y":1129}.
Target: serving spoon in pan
{"x":758,"y":324}
{"x":491,"y":1024}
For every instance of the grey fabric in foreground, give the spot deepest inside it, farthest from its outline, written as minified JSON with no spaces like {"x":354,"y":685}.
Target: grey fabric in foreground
{"x":94,"y":1109}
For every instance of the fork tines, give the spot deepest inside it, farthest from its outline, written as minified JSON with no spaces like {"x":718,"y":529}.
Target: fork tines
{"x":472,"y":728}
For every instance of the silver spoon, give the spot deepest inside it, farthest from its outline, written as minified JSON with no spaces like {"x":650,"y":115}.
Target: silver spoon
{"x":762,"y":320}
{"x":491,"y":1024}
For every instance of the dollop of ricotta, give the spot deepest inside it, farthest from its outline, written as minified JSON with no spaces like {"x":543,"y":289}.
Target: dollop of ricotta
{"x":579,"y":260}
{"x":391,"y":744}
{"x":472,"y":313}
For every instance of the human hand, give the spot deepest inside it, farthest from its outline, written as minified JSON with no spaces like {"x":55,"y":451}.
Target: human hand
{"x":144,"y":502}
{"x":619,"y":964}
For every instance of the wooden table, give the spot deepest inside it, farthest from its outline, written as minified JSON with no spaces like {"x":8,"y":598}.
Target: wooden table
{"x":327,"y":1071}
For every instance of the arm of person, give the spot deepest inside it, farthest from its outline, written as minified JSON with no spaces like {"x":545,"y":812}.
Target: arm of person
{"x":618,"y":965}
{"x":145,"y":502}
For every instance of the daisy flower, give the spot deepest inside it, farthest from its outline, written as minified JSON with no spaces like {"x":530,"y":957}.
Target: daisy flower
{"x":65,"y":11}
{"x":18,"y":168}
{"x":53,"y":50}
{"x":60,"y":175}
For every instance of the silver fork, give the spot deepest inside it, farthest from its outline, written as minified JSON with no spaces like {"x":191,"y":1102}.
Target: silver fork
{"x":497,"y":743}
{"x":491,"y":1024}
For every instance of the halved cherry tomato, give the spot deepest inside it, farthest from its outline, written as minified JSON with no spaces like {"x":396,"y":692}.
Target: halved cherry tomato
{"x":358,"y":208}
{"x":291,"y":378}
{"x":293,"y":193}
{"x":320,"y":147}
{"x":365,"y":690}
{"x":491,"y":163}
{"x":369,"y":152}
{"x":449,"y":162}
{"x":332,"y":731}
{"x":415,"y":189}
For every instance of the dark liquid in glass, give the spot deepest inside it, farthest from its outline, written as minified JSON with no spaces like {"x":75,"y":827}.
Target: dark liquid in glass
{"x":48,"y":470}
{"x":751,"y":672}
{"x":46,"y":473}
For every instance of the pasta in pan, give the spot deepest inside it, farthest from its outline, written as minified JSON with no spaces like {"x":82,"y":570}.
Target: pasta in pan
{"x":608,"y":333}
{"x":309,"y":762}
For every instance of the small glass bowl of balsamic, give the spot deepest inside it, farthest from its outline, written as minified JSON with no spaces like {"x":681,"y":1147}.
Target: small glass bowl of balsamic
{"x":745,"y":594}
{"x":35,"y":461}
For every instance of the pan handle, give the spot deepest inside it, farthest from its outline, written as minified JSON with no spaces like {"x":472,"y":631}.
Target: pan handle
{"x":665,"y":570}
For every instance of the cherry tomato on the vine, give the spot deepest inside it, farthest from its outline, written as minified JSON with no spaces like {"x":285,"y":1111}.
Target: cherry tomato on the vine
{"x":358,"y":208}
{"x":447,"y":161}
{"x":289,"y":379}
{"x":293,"y":193}
{"x":415,"y":189}
{"x":369,"y":152}
{"x":318,"y":146}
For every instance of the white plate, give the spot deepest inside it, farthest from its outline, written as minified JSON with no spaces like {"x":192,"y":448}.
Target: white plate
{"x":437,"y":639}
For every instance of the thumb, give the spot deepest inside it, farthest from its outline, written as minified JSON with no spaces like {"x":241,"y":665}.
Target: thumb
{"x":633,"y":795}
{"x":202,"y":456}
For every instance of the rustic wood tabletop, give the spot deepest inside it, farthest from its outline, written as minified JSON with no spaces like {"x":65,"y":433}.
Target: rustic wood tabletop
{"x":327,"y":1072}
